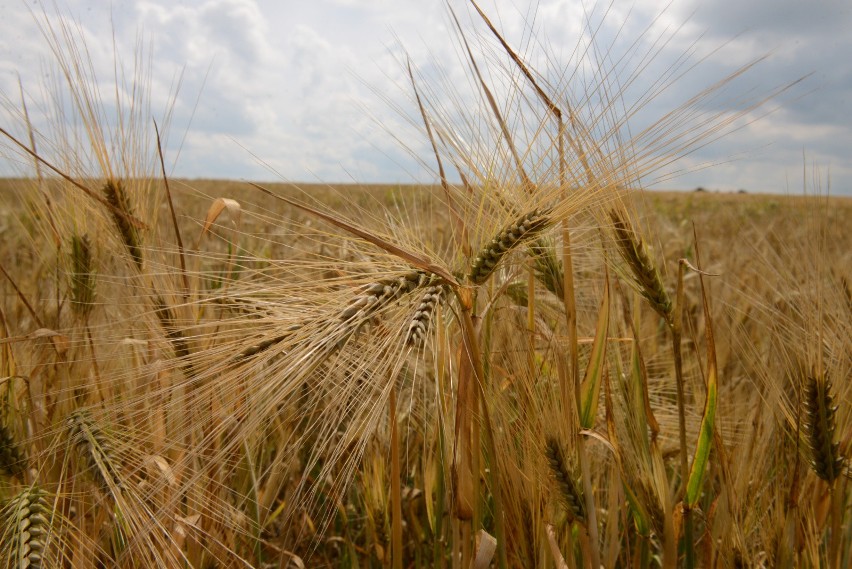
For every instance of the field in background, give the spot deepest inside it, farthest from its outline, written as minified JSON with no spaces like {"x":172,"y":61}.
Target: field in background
{"x":141,"y":412}
{"x":732,"y":227}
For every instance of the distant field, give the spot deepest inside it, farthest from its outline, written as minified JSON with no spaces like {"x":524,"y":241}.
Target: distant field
{"x":727,"y":224}
{"x":249,"y":382}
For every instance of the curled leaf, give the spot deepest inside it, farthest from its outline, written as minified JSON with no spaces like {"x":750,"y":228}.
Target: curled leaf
{"x":233,"y":208}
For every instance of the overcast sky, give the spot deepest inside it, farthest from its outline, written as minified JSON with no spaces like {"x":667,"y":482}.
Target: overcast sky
{"x":314,"y":90}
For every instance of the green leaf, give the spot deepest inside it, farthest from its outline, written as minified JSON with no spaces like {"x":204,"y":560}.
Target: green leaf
{"x":705,"y":434}
{"x":591,"y":386}
{"x":640,"y":513}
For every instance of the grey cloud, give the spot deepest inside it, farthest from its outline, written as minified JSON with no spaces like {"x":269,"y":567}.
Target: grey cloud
{"x":786,"y":19}
{"x":284,"y":77}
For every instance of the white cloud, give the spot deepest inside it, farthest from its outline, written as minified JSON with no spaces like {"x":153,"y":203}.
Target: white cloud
{"x":308,"y":86}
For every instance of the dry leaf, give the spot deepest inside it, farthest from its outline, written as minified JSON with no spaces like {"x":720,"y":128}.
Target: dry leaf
{"x":159,"y":465}
{"x":233,"y":208}
{"x":60,"y":342}
{"x":485,"y":550}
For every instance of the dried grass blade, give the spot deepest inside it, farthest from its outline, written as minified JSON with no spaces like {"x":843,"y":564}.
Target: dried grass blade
{"x":525,"y":180}
{"x":462,"y":240}
{"x":21,"y":296}
{"x":219,"y":205}
{"x":116,"y":211}
{"x":178,"y":238}
{"x":411,"y":257}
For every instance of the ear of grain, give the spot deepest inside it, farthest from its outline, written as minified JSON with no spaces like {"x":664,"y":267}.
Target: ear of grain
{"x":26,"y":527}
{"x":364,"y":306}
{"x":418,"y":329}
{"x":173,"y":333}
{"x":95,"y":450}
{"x":82,"y":275}
{"x":569,"y":492}
{"x":12,"y":461}
{"x":821,"y":425}
{"x":376,"y":296}
{"x":266,"y":344}
{"x":548,"y":268}
{"x":117,"y":197}
{"x":645,"y":273}
{"x":505,"y":241}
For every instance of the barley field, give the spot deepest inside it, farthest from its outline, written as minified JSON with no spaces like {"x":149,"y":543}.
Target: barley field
{"x":534,"y":362}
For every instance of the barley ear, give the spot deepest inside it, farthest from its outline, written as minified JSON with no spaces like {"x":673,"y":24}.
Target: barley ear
{"x":12,"y":460}
{"x":418,"y":328}
{"x":632,"y":249}
{"x":548,"y":266}
{"x":82,"y":275}
{"x":117,"y":197}
{"x":376,"y":296}
{"x":820,"y":426}
{"x":569,"y":492}
{"x":505,"y":241}
{"x":95,"y":449}
{"x":26,"y":524}
{"x":174,"y":334}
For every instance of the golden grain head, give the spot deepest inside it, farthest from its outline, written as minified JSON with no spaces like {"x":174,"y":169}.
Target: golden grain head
{"x":82,"y":275}
{"x":820,"y":425}
{"x":569,"y":494}
{"x":645,"y":273}
{"x":26,"y":528}
{"x":122,"y":213}
{"x":505,"y":241}
{"x":94,"y":449}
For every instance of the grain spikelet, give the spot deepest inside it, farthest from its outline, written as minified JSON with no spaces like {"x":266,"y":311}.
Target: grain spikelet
{"x":12,"y":461}
{"x":505,"y":241}
{"x":379,"y":294}
{"x":95,"y":449}
{"x":569,"y":493}
{"x":422,"y":319}
{"x":266,"y":344}
{"x":173,"y":333}
{"x":645,"y":273}
{"x":820,"y":411}
{"x":82,"y":275}
{"x":26,"y":527}
{"x":118,"y":199}
{"x":548,"y":267}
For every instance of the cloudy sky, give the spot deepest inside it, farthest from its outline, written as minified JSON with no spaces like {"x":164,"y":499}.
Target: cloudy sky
{"x":316,"y":90}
